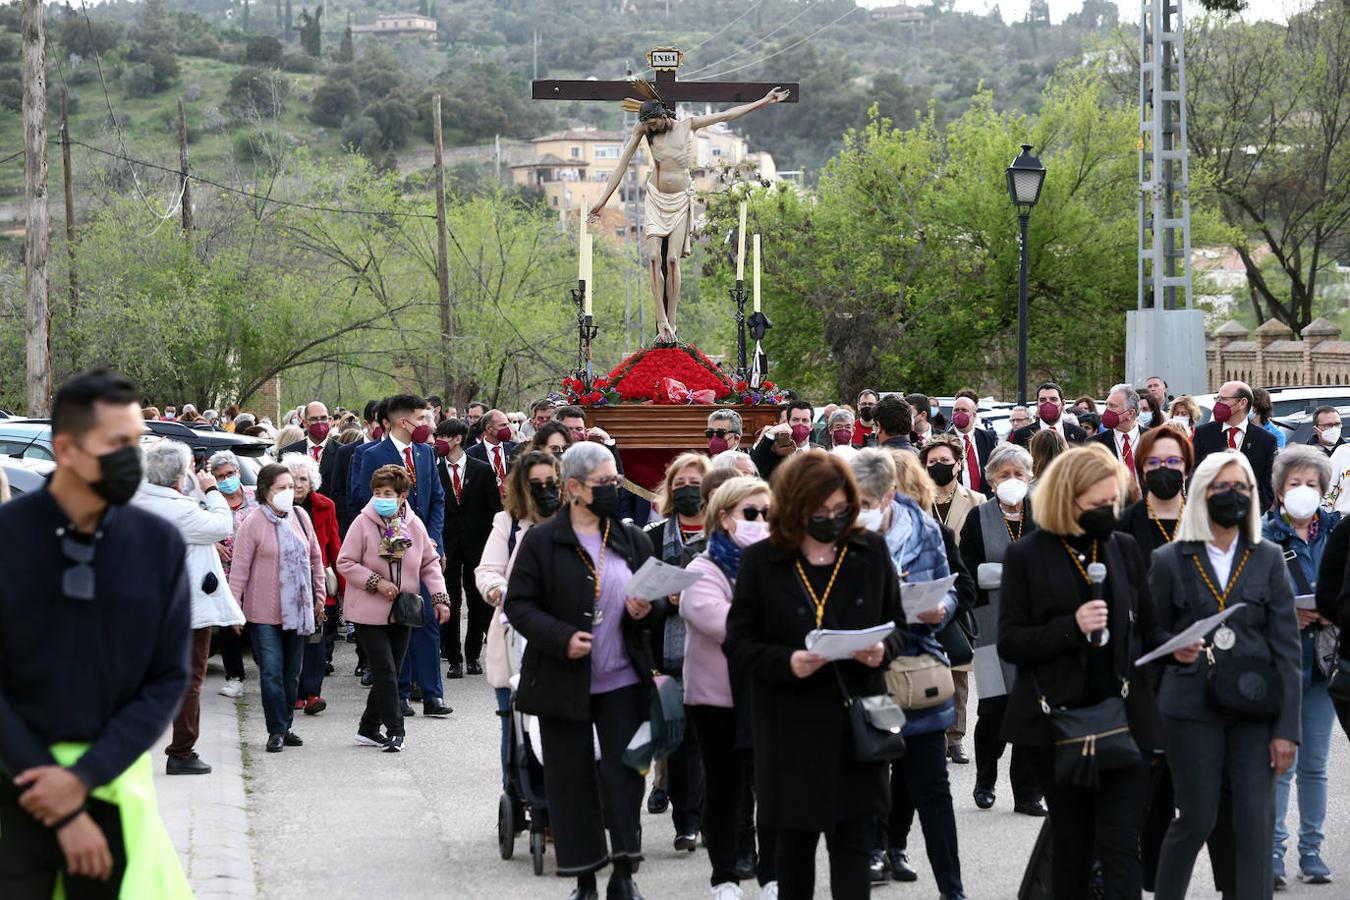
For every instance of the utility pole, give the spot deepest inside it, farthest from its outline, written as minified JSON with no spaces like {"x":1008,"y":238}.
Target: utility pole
{"x":442,"y":258}
{"x":36,"y":240}
{"x":183,"y":174}
{"x":73,"y":274}
{"x":536,"y":54}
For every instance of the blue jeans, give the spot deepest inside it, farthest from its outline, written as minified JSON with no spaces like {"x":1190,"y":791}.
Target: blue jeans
{"x":1311,"y":766}
{"x":504,"y":707}
{"x":278,"y":654}
{"x":423,"y":662}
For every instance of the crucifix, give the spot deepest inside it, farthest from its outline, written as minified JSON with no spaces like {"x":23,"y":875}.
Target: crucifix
{"x":669,"y":192}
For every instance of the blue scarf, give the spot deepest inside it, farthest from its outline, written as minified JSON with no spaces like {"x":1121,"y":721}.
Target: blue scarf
{"x":724,"y":551}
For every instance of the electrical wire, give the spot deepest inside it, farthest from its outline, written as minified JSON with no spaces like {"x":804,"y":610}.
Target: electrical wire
{"x":12,"y":156}
{"x":719,"y":32}
{"x":753,"y":44}
{"x":782,"y":50}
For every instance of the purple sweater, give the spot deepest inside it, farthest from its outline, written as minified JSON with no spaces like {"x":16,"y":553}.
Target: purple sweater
{"x":611,"y":668}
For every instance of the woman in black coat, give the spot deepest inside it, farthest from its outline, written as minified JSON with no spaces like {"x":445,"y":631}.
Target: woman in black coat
{"x":817,"y":570}
{"x":587,"y":664}
{"x":1046,"y":628}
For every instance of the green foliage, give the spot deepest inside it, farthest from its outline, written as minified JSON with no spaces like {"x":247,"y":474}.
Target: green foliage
{"x":362,"y":134}
{"x":479,"y":103}
{"x":263,"y":50}
{"x":332,"y":101}
{"x":258,"y":93}
{"x":346,"y":53}
{"x":310,"y":37}
{"x":138,"y":80}
{"x":394,"y":118}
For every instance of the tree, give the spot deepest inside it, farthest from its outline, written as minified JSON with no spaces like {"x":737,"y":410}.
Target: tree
{"x":333,"y":100}
{"x":258,"y":93}
{"x":346,"y":53}
{"x":263,"y":50}
{"x":310,"y":37}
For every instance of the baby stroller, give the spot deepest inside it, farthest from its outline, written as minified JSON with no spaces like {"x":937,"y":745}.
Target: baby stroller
{"x":522,"y":806}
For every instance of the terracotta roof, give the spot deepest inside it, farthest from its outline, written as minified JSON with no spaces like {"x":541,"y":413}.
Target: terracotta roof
{"x":551,"y":161}
{"x":583,"y":134}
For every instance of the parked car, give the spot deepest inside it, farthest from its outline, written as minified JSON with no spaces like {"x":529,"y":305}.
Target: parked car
{"x":1287,"y":401}
{"x":1298,"y":428}
{"x":26,"y":475}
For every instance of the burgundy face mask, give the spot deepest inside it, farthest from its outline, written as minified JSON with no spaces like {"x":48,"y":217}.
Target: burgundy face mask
{"x":442,"y":447}
{"x":961,"y":419}
{"x":1049,"y":412}
{"x":503,"y":434}
{"x":800,"y":433}
{"x":318,"y":431}
{"x":717,"y":445}
{"x":421,"y":433}
{"x":1222,"y":412}
{"x":842,"y":436}
{"x":1110,"y":418}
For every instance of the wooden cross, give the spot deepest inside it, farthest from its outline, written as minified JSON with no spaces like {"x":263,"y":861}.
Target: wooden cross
{"x":666,"y":62}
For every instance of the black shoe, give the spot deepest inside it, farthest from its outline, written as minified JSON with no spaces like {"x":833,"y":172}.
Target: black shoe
{"x":328,"y":669}
{"x":686,"y":842}
{"x":436,"y":707}
{"x":395,"y":744}
{"x":275,"y":742}
{"x":901,"y":870}
{"x":367,"y":678}
{"x":473,"y":668}
{"x":416,"y":693}
{"x":191,"y":765}
{"x":360,"y":670}
{"x":658,"y":801}
{"x":1030,"y":808}
{"x":454,"y":670}
{"x":951,"y":897}
{"x":621,"y":889}
{"x":878,"y":871}
{"x":371,"y":738}
{"x":407,"y":708}
{"x":587,"y":894}
{"x":984,"y":798}
{"x":291,"y":739}
{"x":746,"y":865}
{"x":957,"y":754}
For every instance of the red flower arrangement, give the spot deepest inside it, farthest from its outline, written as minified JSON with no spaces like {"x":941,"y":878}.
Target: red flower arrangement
{"x":647,"y":376}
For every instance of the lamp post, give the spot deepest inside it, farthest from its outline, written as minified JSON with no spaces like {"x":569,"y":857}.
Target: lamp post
{"x":1025,"y":177}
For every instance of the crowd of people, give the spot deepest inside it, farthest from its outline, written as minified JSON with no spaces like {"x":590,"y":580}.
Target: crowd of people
{"x":503,"y":545}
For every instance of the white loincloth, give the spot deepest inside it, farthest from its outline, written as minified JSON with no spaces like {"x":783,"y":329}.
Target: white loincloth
{"x":664,"y":213}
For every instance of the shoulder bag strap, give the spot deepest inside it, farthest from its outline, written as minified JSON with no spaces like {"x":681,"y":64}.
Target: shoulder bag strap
{"x":1291,"y":562}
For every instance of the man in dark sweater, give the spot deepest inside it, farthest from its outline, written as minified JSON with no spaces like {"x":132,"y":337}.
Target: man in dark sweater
{"x":94,"y":638}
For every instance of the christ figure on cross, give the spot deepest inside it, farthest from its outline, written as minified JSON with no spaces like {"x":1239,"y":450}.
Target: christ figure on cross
{"x":668,"y":208}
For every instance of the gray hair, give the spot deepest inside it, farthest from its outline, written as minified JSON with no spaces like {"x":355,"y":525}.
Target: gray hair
{"x":839,"y":415}
{"x":297,"y":461}
{"x":167,"y":462}
{"x":1004,"y":454}
{"x":732,"y":459}
{"x":1301,"y":456}
{"x":1195,"y":524}
{"x":730,"y":416}
{"x":1130,"y":394}
{"x":874,"y":470}
{"x":583,"y":458}
{"x":222,"y":458}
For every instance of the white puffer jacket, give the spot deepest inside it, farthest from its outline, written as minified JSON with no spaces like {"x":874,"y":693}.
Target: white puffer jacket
{"x":202,"y":523}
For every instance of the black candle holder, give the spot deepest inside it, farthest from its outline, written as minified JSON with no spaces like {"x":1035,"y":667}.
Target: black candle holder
{"x":739,"y":297}
{"x":586,"y":333}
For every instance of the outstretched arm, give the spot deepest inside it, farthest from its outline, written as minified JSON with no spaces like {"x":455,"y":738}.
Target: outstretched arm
{"x":621,"y":167}
{"x":777,"y":95}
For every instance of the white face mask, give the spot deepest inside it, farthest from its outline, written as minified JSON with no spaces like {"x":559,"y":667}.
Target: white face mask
{"x":1329,"y":435}
{"x":871,"y":518}
{"x":1012,"y":491}
{"x":1183,"y":421}
{"x":283,"y":500}
{"x":1302,"y":501}
{"x":748,"y":533}
{"x":1145,"y":419}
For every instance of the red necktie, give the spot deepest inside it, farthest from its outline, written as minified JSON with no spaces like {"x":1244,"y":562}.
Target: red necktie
{"x":1127,"y":456}
{"x":972,"y":465}
{"x":1232,"y":438}
{"x":410,"y":465}
{"x":316,"y":450}
{"x":497,"y":463}
{"x":454,"y":476}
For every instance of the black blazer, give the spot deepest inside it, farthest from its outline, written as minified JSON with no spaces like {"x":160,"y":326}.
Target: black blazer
{"x":985,"y":439}
{"x":1138,"y":524}
{"x":805,"y":776}
{"x":1333,"y":588}
{"x":1258,"y":445}
{"x":550,"y":597}
{"x":1072,"y":433}
{"x":1038,"y":634}
{"x":479,"y":452}
{"x":468,"y":521}
{"x":339,"y":491}
{"x":327,"y":463}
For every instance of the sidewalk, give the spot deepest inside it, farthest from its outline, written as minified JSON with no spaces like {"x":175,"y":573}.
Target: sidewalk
{"x":207,"y":815}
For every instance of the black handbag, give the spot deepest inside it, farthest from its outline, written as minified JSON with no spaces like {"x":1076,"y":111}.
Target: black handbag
{"x":955,"y":640}
{"x":874,"y":723}
{"x":407,"y":607}
{"x":1338,"y":679}
{"x":1244,"y":686}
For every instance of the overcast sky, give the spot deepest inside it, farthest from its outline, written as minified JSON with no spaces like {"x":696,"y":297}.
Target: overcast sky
{"x":1014,"y":10}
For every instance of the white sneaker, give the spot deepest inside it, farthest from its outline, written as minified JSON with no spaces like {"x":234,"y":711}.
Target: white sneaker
{"x":769,"y":891}
{"x":233,"y":688}
{"x":727,"y":890}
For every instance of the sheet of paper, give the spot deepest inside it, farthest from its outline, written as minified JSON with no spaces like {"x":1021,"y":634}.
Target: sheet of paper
{"x":988,"y":669}
{"x":655,"y":579}
{"x":1305,"y":601}
{"x":919,"y":597}
{"x":833,"y":644}
{"x":1192,"y":634}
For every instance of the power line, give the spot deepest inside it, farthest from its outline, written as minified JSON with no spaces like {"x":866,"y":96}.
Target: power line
{"x":718,"y":32}
{"x":798,"y":43}
{"x":12,"y":156}
{"x":750,"y":46}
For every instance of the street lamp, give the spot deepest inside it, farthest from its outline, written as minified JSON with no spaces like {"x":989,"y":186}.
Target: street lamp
{"x":1025,"y":177}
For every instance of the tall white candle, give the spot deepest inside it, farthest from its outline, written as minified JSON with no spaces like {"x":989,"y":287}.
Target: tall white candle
{"x":588,"y":272}
{"x":581,"y":245}
{"x":740,"y":246}
{"x":756,"y":251}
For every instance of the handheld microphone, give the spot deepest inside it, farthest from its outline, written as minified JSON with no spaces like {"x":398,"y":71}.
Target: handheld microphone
{"x":1097,"y":575}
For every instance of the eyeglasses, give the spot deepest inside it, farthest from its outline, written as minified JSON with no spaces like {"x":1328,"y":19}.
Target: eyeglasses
{"x":719,"y":432}
{"x":550,"y":483}
{"x":1241,"y":487}
{"x":77,"y":582}
{"x":614,"y":480}
{"x":1158,"y":462}
{"x":751,"y":513}
{"x":821,"y":515}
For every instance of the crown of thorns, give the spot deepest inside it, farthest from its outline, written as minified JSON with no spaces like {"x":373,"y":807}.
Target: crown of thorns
{"x":654,"y":109}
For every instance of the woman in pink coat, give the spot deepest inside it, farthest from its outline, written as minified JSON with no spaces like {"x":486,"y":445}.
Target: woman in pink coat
{"x":387,"y":552}
{"x":277,"y":576}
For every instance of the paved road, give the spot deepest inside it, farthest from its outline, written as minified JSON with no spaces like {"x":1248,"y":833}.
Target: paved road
{"x":334,"y":820}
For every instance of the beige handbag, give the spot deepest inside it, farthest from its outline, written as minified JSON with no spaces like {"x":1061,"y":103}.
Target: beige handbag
{"x":919,"y":682}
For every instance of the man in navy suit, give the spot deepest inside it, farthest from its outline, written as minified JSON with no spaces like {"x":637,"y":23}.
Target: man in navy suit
{"x":405,"y":444}
{"x":1231,"y":430}
{"x":496,"y":448}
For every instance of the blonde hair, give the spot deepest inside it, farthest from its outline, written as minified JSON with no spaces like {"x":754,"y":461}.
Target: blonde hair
{"x":911,"y":479}
{"x":4,"y":487}
{"x":1072,"y":473}
{"x":665,"y":503}
{"x":285,"y":437}
{"x":728,"y":495}
{"x":1195,"y":524}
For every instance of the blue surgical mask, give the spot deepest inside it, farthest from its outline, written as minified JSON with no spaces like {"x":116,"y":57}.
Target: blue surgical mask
{"x":1145,"y":419}
{"x":385,"y":507}
{"x":229,"y":485}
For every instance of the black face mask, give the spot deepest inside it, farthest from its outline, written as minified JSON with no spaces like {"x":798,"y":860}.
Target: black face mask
{"x":688,"y":500}
{"x":1098,"y":523}
{"x":1164,"y":483}
{"x":942,"y":473}
{"x":119,"y":475}
{"x":829,"y":530}
{"x":546,"y":497}
{"x":865,"y":413}
{"x":1228,"y":508}
{"x":604,"y":500}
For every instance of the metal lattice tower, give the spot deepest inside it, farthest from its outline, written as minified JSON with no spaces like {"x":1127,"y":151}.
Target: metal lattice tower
{"x":1164,"y":174}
